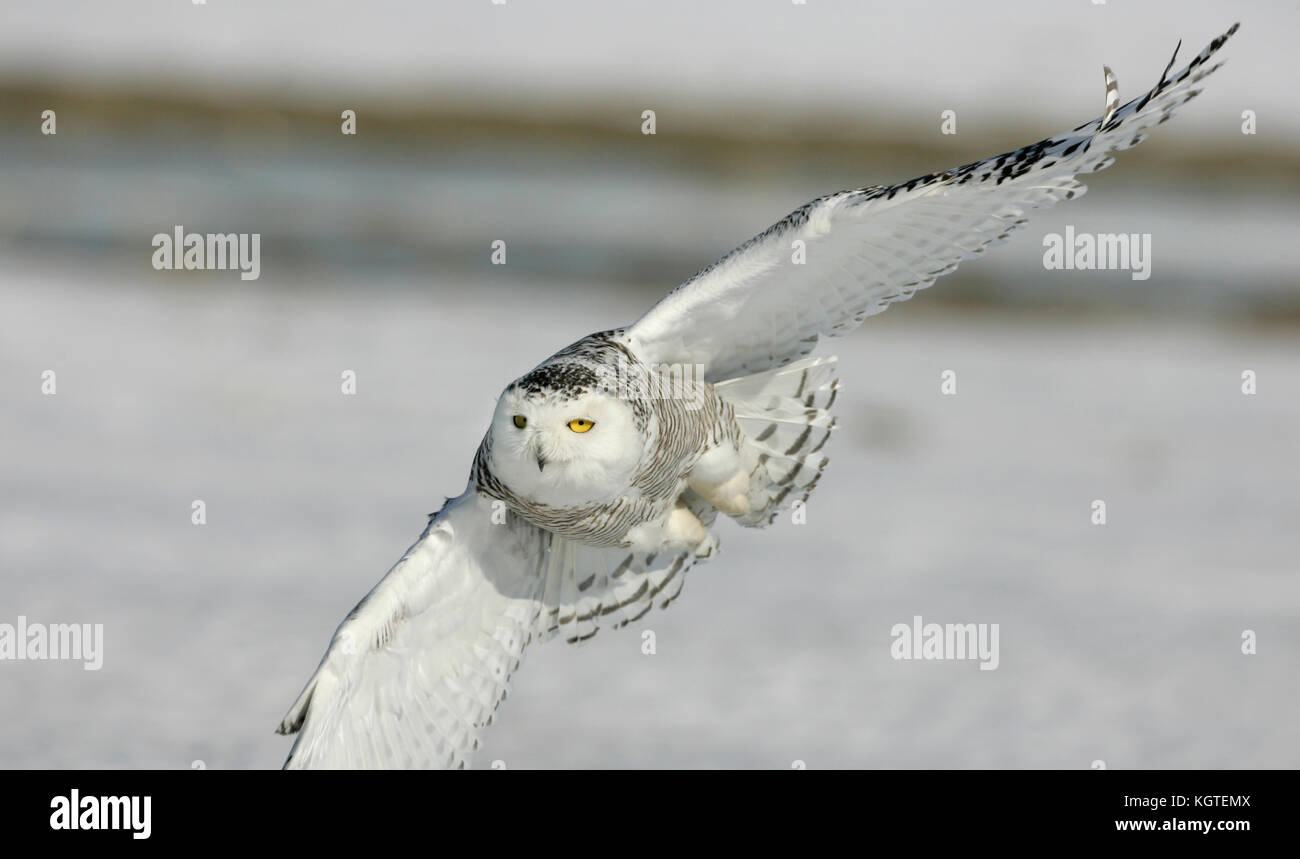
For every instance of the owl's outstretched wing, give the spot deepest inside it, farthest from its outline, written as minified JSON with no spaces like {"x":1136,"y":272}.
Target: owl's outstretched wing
{"x":757,"y":308}
{"x":418,"y":668}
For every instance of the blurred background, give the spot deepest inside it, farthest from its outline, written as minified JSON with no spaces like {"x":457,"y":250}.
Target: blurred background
{"x":522,"y":122}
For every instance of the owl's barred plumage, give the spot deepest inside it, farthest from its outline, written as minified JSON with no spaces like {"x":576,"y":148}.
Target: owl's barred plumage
{"x":592,"y":493}
{"x":674,"y":431}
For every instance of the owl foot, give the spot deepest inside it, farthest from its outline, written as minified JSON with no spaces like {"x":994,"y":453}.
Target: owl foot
{"x":684,"y":530}
{"x":679,"y":531}
{"x":720,"y":479}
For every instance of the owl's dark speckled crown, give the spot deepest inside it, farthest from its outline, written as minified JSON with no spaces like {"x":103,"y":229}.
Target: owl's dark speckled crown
{"x":567,"y":379}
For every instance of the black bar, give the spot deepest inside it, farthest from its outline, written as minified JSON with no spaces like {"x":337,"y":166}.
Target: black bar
{"x":305,"y":810}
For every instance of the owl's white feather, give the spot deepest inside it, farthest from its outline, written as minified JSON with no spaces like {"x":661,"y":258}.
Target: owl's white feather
{"x":864,"y":249}
{"x":417,"y":670}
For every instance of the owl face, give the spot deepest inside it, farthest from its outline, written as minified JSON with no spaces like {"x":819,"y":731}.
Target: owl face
{"x":564,"y":447}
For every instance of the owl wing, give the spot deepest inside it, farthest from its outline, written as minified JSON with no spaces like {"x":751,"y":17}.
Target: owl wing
{"x":417,"y":669}
{"x":760,"y":307}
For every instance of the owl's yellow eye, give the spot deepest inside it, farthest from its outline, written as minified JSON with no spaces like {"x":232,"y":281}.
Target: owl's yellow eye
{"x":521,"y":421}
{"x":581,"y":424}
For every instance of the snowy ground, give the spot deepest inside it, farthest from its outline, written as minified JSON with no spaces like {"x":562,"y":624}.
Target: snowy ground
{"x":1118,"y":642}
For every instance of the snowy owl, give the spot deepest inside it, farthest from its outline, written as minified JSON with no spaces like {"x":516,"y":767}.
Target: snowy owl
{"x":595,"y":487}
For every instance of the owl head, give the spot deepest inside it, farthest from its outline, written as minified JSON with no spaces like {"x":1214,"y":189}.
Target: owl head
{"x":560,"y":438}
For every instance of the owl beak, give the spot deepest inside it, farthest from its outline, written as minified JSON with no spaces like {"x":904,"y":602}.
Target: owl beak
{"x":541,"y":462}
